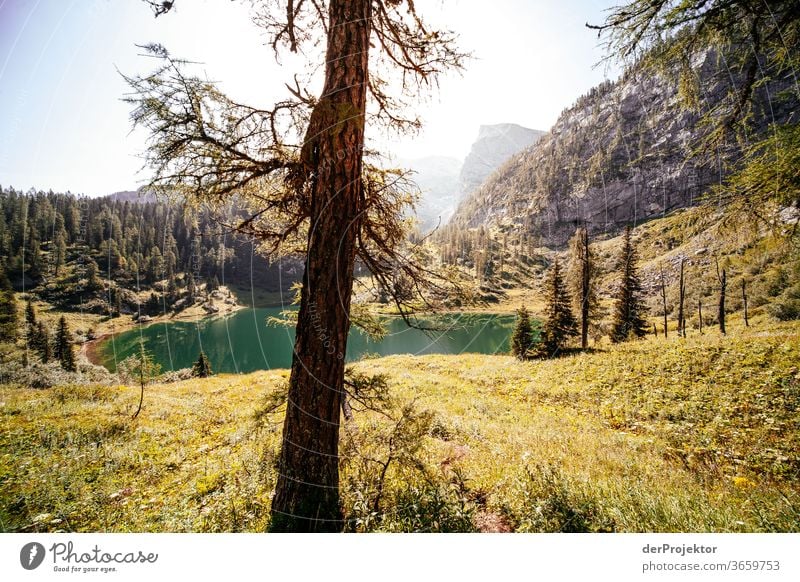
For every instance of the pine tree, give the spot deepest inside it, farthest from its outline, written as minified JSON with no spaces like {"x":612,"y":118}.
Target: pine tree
{"x":8,"y":310}
{"x":30,"y":320}
{"x":64,"y":352}
{"x":522,"y":338}
{"x":40,"y":341}
{"x":191,"y":289}
{"x":559,"y":322}
{"x":118,"y":302}
{"x":629,"y":309}
{"x":581,"y":281}
{"x":202,"y":367}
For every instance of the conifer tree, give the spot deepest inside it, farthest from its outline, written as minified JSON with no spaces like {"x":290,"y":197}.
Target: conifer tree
{"x":629,"y":309}
{"x":63,"y":349}
{"x":30,"y":316}
{"x":522,"y":338}
{"x":202,"y":367}
{"x":581,"y":280}
{"x":559,"y":322}
{"x":40,"y":341}
{"x":8,"y":310}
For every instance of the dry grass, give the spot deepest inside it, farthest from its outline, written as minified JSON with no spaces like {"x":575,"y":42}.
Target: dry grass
{"x":701,"y":434}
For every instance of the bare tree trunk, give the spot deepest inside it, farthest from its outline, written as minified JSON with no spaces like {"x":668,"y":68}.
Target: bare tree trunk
{"x":744,"y":300}
{"x":307,"y":491}
{"x":664,"y":298}
{"x":723,"y":284}
{"x":586,"y":272}
{"x":681,"y":299}
{"x":700,"y":313}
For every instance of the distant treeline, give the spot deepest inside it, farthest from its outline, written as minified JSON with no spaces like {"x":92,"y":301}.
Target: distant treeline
{"x":133,"y":244}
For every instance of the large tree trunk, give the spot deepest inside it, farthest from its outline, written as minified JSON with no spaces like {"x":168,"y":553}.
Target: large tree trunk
{"x":307,"y":491}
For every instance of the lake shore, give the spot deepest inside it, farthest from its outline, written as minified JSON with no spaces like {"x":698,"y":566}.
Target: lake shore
{"x":213,"y":307}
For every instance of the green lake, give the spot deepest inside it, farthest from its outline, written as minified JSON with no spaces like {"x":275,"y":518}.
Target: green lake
{"x":244,"y":342}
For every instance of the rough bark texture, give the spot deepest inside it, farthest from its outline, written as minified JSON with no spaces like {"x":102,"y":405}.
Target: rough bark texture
{"x":307,"y":491}
{"x":723,"y":285}
{"x":586,"y":270}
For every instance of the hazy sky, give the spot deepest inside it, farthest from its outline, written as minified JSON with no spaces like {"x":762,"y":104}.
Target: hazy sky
{"x":63,"y":125}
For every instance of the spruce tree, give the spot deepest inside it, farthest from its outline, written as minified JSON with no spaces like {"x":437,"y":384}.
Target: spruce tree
{"x":522,"y":338}
{"x":581,"y":282}
{"x":8,"y":310}
{"x":629,"y":310}
{"x":63,"y":348}
{"x":202,"y":367}
{"x":40,"y":341}
{"x":30,"y":317}
{"x":559,"y":322}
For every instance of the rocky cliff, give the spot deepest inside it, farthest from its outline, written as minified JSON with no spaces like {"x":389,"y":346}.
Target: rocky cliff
{"x":619,"y":155}
{"x":444,"y":182}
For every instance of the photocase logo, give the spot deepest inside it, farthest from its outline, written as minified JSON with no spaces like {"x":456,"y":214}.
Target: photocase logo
{"x":31,"y":555}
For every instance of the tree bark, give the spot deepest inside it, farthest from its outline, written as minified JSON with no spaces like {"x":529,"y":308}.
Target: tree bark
{"x":744,"y":301}
{"x":586,"y":271}
{"x":664,"y":299}
{"x":307,"y":492}
{"x":723,"y":284}
{"x":681,"y":298}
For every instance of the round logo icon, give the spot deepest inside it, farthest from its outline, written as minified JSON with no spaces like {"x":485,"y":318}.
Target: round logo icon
{"x":31,"y":555}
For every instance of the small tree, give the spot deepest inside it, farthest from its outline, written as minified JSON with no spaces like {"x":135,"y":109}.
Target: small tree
{"x":629,"y":309}
{"x":723,"y":286}
{"x":202,"y":367}
{"x":681,"y":301}
{"x":40,"y":341}
{"x":581,"y":278}
{"x":744,"y":303}
{"x":64,"y":351}
{"x":522,"y":338}
{"x":559,"y":323}
{"x":30,"y":317}
{"x":140,"y":368}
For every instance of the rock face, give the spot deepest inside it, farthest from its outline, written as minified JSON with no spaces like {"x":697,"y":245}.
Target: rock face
{"x":619,"y":155}
{"x":494,"y":146}
{"x":444,"y":182}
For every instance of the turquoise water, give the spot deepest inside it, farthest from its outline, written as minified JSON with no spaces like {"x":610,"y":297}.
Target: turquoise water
{"x":244,"y":342}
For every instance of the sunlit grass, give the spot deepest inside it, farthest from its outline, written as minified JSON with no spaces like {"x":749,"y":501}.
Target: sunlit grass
{"x":701,"y":434}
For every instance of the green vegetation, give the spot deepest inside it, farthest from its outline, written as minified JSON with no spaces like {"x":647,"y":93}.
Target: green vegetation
{"x":559,"y":323}
{"x":629,"y":310}
{"x":522,"y":338}
{"x":701,"y":434}
{"x":202,"y":367}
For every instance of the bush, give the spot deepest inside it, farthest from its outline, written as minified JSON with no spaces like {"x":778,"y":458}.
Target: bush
{"x":785,"y":309}
{"x":175,"y":376}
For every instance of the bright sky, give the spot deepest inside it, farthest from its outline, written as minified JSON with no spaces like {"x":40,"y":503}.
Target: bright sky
{"x":63,"y":125}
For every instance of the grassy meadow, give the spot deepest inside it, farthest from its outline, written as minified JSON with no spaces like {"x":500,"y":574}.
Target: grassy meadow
{"x":697,"y":434}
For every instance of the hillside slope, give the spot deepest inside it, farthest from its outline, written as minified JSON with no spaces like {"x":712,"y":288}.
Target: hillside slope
{"x":700,"y":434}
{"x":619,"y":155}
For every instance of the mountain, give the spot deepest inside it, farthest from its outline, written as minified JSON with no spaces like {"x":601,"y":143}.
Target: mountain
{"x":437,"y":179}
{"x":444,"y":182}
{"x":619,"y":155}
{"x":494,"y":146}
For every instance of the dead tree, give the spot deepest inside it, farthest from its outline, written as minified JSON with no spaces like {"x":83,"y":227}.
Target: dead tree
{"x":681,"y":299}
{"x":663,"y":299}
{"x":700,"y":313}
{"x":744,"y":302}
{"x":722,"y":277}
